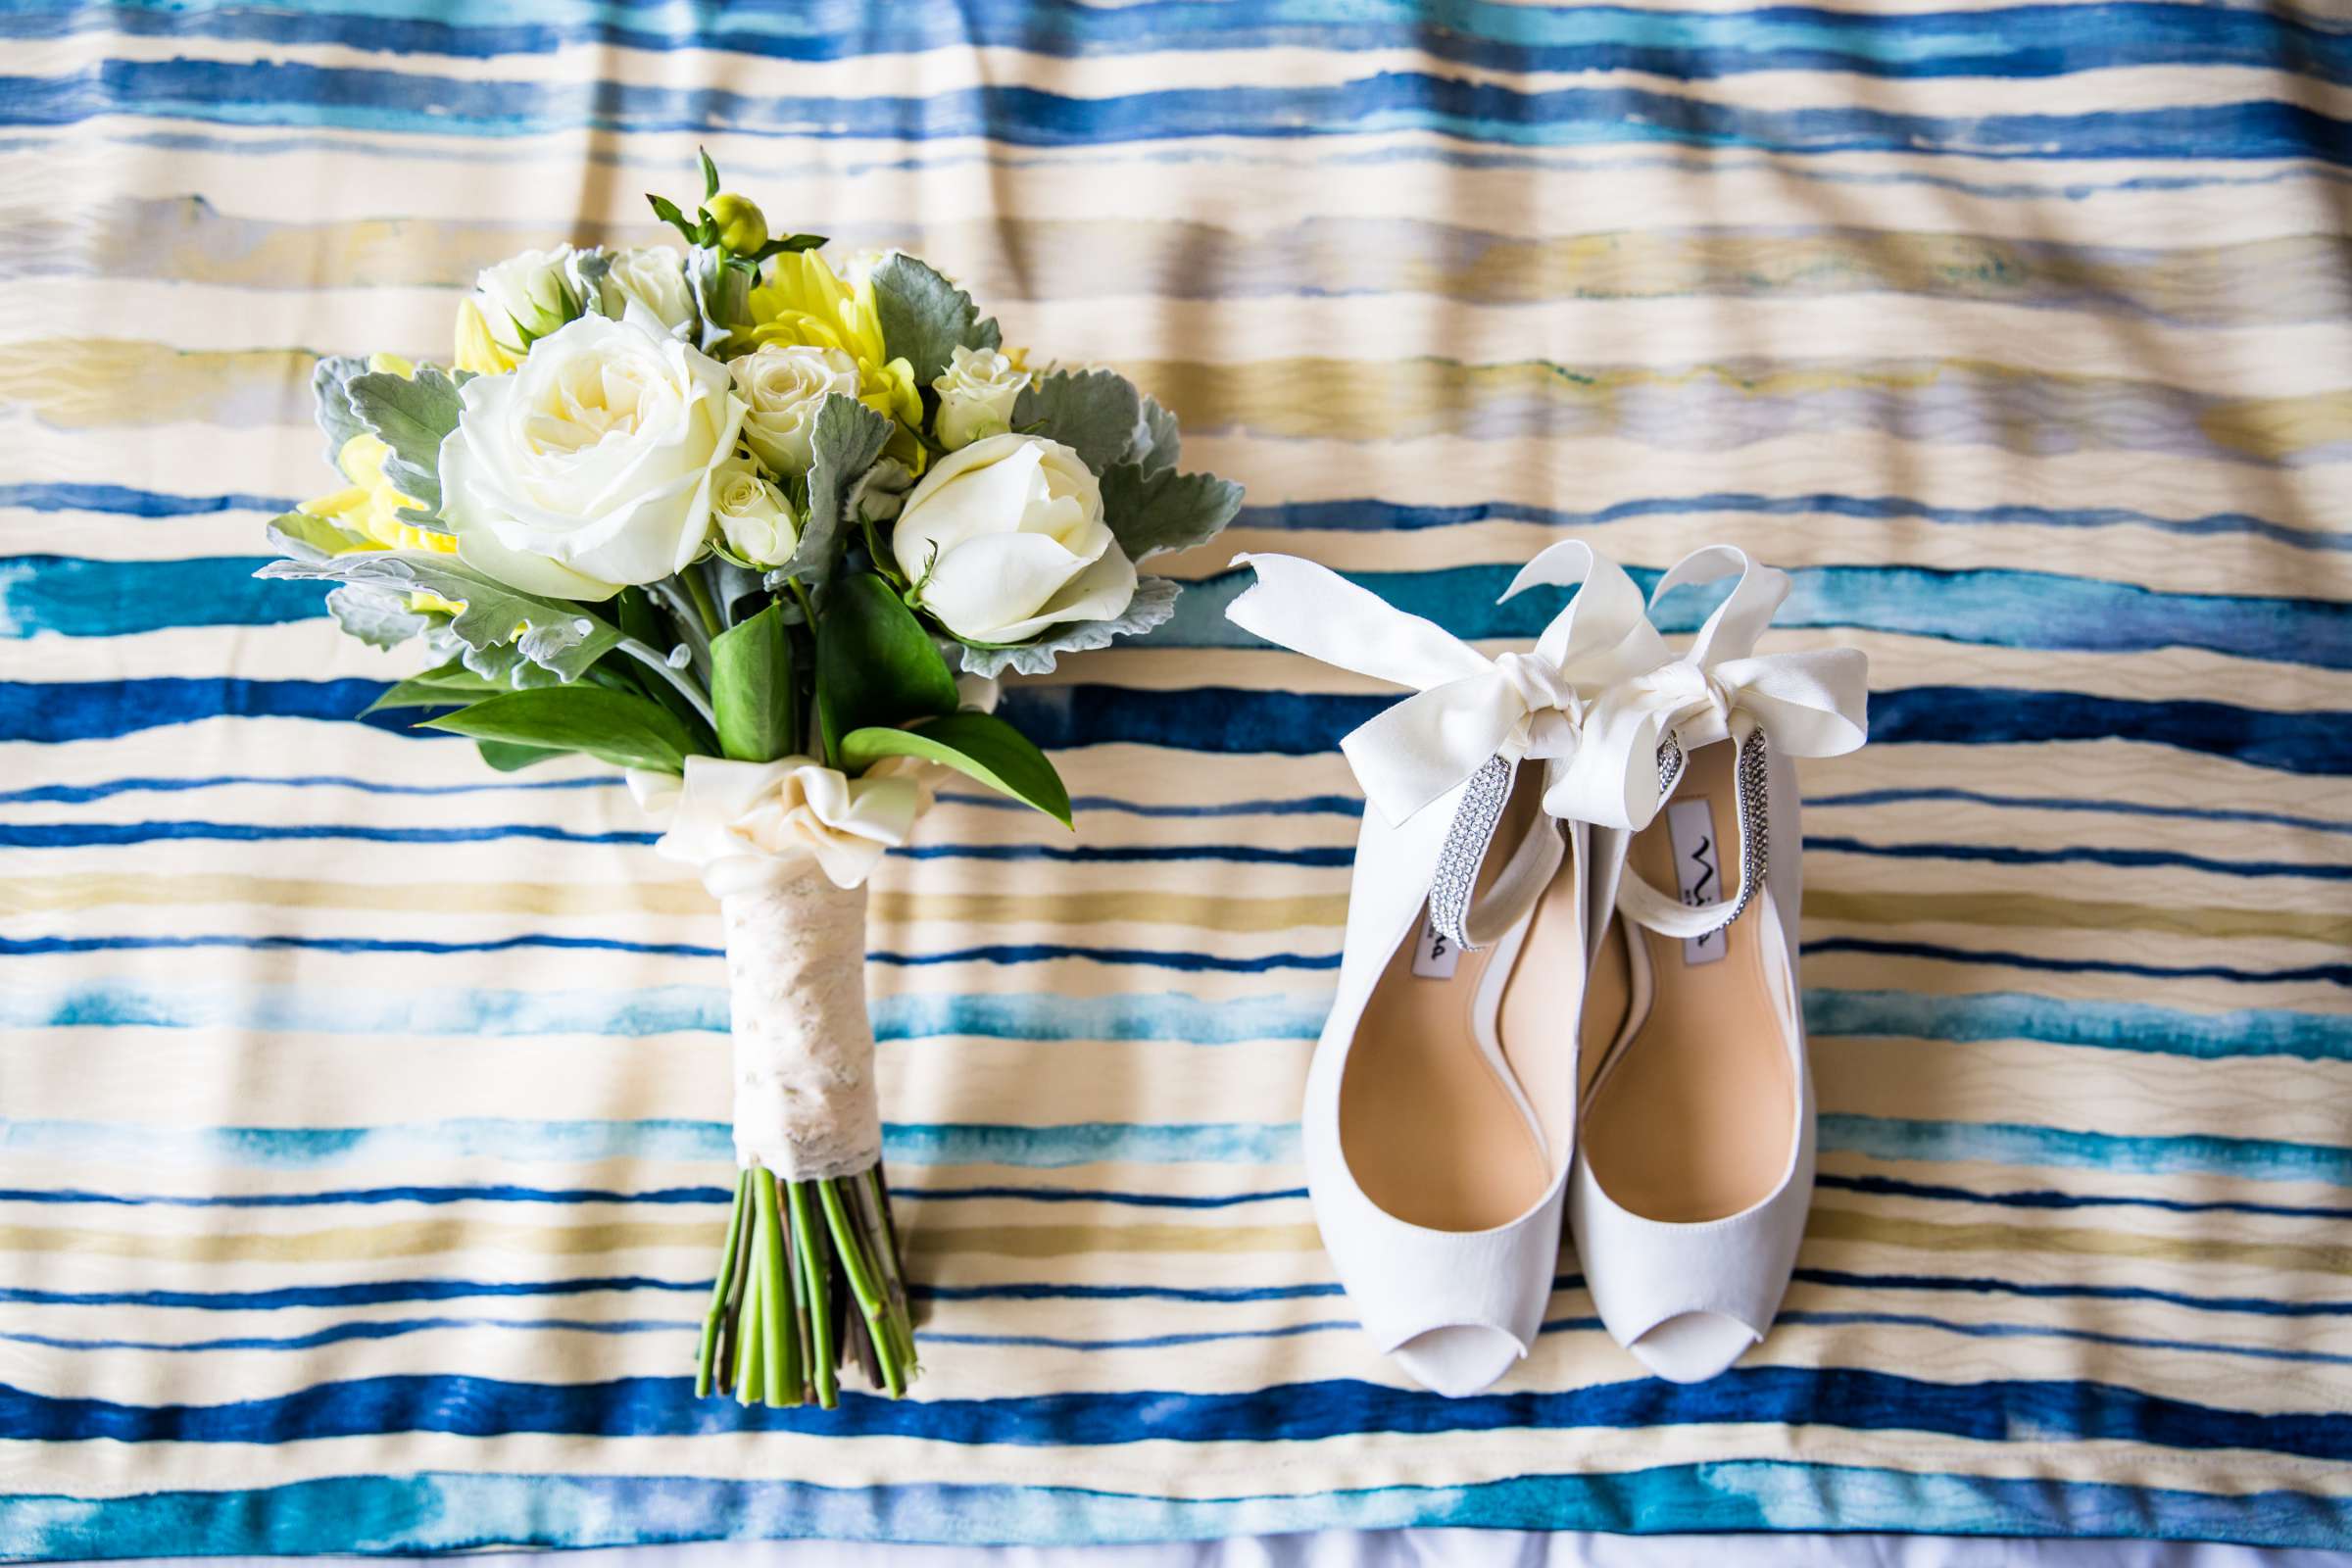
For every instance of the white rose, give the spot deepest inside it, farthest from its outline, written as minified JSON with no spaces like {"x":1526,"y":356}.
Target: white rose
{"x":782,"y":386}
{"x":1007,"y":538}
{"x":976,"y":396}
{"x":526,"y":296}
{"x":651,"y":278}
{"x":589,"y":468}
{"x":753,"y":515}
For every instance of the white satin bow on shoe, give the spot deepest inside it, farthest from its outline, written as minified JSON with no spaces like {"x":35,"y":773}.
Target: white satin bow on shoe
{"x":1695,"y":1173}
{"x":1449,"y":1249}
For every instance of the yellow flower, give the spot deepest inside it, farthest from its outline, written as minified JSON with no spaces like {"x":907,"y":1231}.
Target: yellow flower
{"x":478,"y":350}
{"x":805,"y":301}
{"x":370,"y":507}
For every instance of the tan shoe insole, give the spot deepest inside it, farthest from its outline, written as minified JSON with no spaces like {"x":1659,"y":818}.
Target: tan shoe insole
{"x":1430,"y":1129}
{"x":1690,"y":1121}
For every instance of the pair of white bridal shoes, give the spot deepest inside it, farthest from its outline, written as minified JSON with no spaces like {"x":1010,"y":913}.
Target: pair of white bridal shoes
{"x":1555,"y":994}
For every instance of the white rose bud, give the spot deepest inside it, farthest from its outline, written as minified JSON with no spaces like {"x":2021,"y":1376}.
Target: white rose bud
{"x":976,"y":396}
{"x":651,"y":278}
{"x":526,"y":296}
{"x":589,"y":468}
{"x":753,"y":515}
{"x":1005,"y":538}
{"x":782,"y":386}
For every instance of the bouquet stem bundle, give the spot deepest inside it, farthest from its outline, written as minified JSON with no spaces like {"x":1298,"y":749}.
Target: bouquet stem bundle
{"x":801,"y":1258}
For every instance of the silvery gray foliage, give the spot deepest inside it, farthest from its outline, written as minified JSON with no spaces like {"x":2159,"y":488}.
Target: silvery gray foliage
{"x":411,"y":415}
{"x":502,"y":662}
{"x":846,"y":439}
{"x":544,"y":630}
{"x":331,"y":387}
{"x":880,"y":491}
{"x":587,"y":269}
{"x":1161,"y":445}
{"x":1154,"y":511}
{"x":722,"y":293}
{"x":379,"y":619}
{"x":1153,"y":603}
{"x":1095,"y":414}
{"x":925,"y":318}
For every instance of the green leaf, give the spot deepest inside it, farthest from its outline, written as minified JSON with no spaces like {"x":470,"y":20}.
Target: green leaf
{"x":668,"y":210}
{"x":752,"y":689}
{"x":330,"y":384}
{"x":411,"y":415}
{"x":624,"y":731}
{"x":924,"y":317}
{"x":710,"y":174}
{"x":790,"y":242}
{"x":553,"y":632}
{"x":376,"y":618}
{"x":875,"y":665}
{"x":588,"y":270}
{"x":1153,"y":603}
{"x":1157,"y":510}
{"x":449,"y":685}
{"x":1097,"y":414}
{"x":721,"y":292}
{"x":508,"y":759}
{"x":978,"y":745}
{"x":846,"y":439}
{"x":309,"y":538}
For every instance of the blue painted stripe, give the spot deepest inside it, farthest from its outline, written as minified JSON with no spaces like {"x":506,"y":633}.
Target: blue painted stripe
{"x":77,"y":597}
{"x":2042,"y":41}
{"x":2334,"y":974}
{"x":1976,"y":1285}
{"x":588,"y":1142}
{"x":2258,"y":1159}
{"x":1077,"y":1144}
{"x":2046,"y":1198}
{"x":1014,"y":954}
{"x":86,"y":794}
{"x":1173,"y":1018}
{"x":371,"y":1328}
{"x":2036,"y":1331}
{"x":371,"y":1293}
{"x":1371,"y":514}
{"x":407,"y":102}
{"x":2080,"y":853}
{"x":1225,"y":719}
{"x":1847,"y":1398}
{"x":2052,"y":802}
{"x":1001,"y":954}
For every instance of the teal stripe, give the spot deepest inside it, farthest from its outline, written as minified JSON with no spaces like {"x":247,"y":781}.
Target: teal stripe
{"x":441,"y":1512}
{"x":1077,"y":1144}
{"x":1155,"y":1015}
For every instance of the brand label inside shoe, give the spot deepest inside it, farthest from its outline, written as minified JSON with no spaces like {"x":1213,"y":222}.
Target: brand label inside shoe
{"x":1697,"y":870}
{"x":1435,"y":954}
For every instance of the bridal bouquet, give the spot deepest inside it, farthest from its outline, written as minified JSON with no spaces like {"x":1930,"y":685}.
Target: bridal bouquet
{"x":762,"y":532}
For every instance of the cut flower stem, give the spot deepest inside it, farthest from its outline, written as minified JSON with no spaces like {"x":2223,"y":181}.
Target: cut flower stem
{"x":808,"y":1280}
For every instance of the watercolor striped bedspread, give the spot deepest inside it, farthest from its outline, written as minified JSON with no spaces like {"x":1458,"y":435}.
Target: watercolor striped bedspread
{"x":359,"y":1139}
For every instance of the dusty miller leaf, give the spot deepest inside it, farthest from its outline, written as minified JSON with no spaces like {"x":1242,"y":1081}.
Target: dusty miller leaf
{"x":1097,"y":413}
{"x":410,"y":414}
{"x":376,"y":618}
{"x":331,"y":385}
{"x":309,"y":538}
{"x":925,"y":318}
{"x":847,"y":438}
{"x":1160,"y":446}
{"x":1156,"y":510}
{"x":1155,"y":601}
{"x":555,"y":633}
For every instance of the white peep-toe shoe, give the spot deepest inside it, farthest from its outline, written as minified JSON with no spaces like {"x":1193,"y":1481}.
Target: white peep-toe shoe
{"x":1438,"y":1115}
{"x":1695,"y":1168}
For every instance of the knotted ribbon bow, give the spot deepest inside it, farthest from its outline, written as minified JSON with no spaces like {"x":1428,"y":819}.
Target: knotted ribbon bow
{"x":1467,"y":708}
{"x":1809,"y":704}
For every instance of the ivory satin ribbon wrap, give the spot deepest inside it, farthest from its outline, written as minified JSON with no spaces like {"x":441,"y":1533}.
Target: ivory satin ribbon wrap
{"x":1593,"y":699}
{"x":786,"y":846}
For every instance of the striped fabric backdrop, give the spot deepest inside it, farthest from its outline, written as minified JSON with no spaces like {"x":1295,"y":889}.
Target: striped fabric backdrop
{"x":361,"y":1157}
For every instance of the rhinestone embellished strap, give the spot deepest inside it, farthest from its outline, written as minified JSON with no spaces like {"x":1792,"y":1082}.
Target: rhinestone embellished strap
{"x":1465,"y":849}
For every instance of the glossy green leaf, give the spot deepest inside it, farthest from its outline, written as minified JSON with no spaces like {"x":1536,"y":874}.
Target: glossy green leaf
{"x":508,"y":759}
{"x":875,"y":665}
{"x":752,"y":689}
{"x":624,"y":731}
{"x":980,"y":746}
{"x":449,"y":685}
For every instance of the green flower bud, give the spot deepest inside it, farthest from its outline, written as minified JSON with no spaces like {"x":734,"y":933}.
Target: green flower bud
{"x":742,"y":226}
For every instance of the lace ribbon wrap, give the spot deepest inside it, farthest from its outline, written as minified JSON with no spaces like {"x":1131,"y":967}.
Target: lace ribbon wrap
{"x":805,"y":1105}
{"x":786,"y":846}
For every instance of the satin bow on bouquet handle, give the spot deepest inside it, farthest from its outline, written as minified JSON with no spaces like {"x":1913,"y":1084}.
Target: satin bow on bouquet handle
{"x":762,"y":532}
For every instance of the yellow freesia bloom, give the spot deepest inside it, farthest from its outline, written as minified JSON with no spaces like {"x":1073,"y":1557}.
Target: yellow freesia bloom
{"x":372,"y":505}
{"x":805,"y":301}
{"x":477,"y":350}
